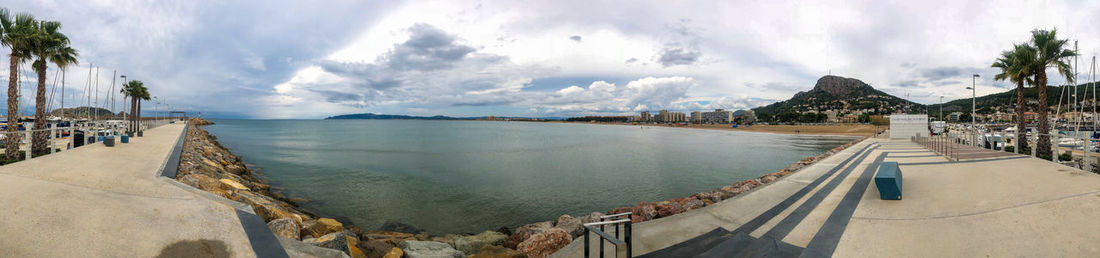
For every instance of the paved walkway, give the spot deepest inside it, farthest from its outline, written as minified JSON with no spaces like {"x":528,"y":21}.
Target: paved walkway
{"x":96,"y":201}
{"x":999,"y":206}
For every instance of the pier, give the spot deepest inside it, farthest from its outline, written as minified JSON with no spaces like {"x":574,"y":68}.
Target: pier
{"x":980,"y":205}
{"x":98,"y":201}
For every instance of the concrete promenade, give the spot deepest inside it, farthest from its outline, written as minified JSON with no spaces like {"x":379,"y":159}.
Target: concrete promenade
{"x":96,"y":201}
{"x":994,"y":207}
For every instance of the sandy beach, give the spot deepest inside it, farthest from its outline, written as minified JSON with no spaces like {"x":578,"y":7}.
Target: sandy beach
{"x":837,"y":129}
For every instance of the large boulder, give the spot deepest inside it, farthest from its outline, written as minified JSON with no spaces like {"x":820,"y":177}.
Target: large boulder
{"x":320,"y":227}
{"x":393,"y":253}
{"x":377,"y":248}
{"x":471,"y":244}
{"x":524,"y":232}
{"x":285,"y":227}
{"x":591,"y":217}
{"x":692,"y":204}
{"x":571,"y":225}
{"x":545,"y":243}
{"x":339,"y":241}
{"x":644,"y":211}
{"x":665,"y":210}
{"x":267,"y":208}
{"x":429,"y":249}
{"x":494,"y":251}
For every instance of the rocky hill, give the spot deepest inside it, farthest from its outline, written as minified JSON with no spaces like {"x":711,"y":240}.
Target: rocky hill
{"x":84,"y":111}
{"x":840,"y":94}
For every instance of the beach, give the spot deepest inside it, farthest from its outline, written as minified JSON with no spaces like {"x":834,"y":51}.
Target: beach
{"x":833,"y":129}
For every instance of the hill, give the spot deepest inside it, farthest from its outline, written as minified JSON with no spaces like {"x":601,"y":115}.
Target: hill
{"x":840,"y":94}
{"x":83,"y":111}
{"x":1006,"y":101}
{"x":400,"y":117}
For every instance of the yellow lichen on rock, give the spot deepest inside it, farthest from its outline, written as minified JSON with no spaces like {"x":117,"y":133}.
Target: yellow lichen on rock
{"x":394,"y":253}
{"x":229,"y":184}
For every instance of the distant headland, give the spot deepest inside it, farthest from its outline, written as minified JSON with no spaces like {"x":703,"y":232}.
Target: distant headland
{"x":406,"y":117}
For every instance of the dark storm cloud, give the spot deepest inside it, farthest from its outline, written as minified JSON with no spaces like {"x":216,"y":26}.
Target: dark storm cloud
{"x":674,"y":55}
{"x":428,"y":48}
{"x":937,"y":74}
{"x":336,"y":96}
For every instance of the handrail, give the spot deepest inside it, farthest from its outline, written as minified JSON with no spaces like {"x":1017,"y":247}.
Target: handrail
{"x":54,"y":131}
{"x":615,"y":215}
{"x":622,"y":246}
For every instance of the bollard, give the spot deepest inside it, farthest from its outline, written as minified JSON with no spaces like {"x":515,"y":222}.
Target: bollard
{"x":27,"y":141}
{"x":1087,"y":143}
{"x":1054,"y":148}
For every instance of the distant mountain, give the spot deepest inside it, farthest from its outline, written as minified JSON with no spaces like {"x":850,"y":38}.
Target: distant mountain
{"x":399,"y":117}
{"x":1006,"y":101}
{"x":83,"y":111}
{"x":839,"y":94}
{"x":405,"y":117}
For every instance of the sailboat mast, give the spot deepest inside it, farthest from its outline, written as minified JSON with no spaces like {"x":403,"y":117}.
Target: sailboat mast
{"x":1076,"y":105}
{"x":111,"y":91}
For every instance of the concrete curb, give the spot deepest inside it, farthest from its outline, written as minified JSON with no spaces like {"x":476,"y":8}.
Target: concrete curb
{"x":264,"y":242}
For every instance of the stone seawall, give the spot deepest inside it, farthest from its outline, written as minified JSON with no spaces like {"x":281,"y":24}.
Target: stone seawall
{"x":206,"y":164}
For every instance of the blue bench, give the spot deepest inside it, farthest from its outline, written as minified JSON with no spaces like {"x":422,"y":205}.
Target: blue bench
{"x":888,"y":181}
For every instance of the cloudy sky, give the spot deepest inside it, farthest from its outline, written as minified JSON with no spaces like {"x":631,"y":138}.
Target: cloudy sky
{"x":312,"y":59}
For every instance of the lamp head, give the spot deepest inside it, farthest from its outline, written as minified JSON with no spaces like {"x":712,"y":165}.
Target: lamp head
{"x":969,"y":88}
{"x":976,"y":76}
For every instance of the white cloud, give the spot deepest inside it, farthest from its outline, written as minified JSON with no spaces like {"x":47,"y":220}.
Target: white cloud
{"x":303,"y":59}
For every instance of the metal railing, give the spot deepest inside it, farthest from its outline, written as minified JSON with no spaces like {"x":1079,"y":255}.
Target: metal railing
{"x":1082,"y":148}
{"x":940,"y":144}
{"x":56,"y":134}
{"x":622,"y":246}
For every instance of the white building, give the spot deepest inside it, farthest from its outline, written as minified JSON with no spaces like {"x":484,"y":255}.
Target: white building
{"x":719,"y":116}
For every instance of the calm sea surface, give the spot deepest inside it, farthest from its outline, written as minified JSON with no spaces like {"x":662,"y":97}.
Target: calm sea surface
{"x":471,"y":176}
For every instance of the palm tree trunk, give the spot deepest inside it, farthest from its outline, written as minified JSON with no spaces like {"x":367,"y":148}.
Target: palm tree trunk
{"x":138,"y":114}
{"x":1021,"y":132}
{"x":38,"y":141}
{"x":133,"y":114}
{"x":11,"y":149}
{"x":1043,"y":146}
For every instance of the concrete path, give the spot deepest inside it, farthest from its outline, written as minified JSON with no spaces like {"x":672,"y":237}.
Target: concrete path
{"x":1000,"y":206}
{"x":96,"y":201}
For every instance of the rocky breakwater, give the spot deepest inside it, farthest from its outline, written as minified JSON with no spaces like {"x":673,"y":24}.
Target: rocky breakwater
{"x":207,"y":165}
{"x":543,"y":238}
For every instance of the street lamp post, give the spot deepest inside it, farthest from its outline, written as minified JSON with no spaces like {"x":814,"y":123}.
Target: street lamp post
{"x":941,"y":108}
{"x":974,"y":103}
{"x":156,"y":115}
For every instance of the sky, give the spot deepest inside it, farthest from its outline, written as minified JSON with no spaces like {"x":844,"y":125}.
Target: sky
{"x":313,"y":59}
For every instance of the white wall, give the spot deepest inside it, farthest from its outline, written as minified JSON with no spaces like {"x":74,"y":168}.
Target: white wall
{"x":905,"y":126}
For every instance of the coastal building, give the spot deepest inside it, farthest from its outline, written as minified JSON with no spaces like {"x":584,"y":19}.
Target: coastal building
{"x":954,"y":116}
{"x":664,"y":116}
{"x":646,"y":117}
{"x":1029,"y":116}
{"x":696,"y":117}
{"x":719,"y":116}
{"x":831,"y":116}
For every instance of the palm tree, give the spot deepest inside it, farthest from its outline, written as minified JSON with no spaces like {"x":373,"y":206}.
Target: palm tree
{"x":1015,"y":65}
{"x":1050,"y":52}
{"x":18,"y":30}
{"x":132,"y":90}
{"x":46,"y":42}
{"x":142,"y":94}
